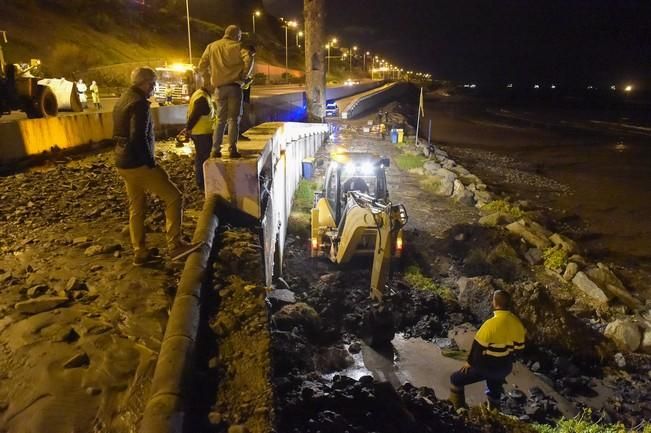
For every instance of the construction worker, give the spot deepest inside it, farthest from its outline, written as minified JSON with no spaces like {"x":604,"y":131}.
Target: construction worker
{"x":81,"y":91}
{"x":491,"y":355}
{"x":94,"y":93}
{"x":200,"y":125}
{"x":229,"y":67}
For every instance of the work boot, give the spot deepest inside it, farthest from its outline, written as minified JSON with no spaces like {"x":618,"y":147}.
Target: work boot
{"x":144,"y":257}
{"x":235,"y":154}
{"x":182,"y":250}
{"x":458,"y":399}
{"x":215,"y":154}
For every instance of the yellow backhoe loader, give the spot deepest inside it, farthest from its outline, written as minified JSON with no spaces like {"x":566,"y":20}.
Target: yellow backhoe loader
{"x":353,"y":216}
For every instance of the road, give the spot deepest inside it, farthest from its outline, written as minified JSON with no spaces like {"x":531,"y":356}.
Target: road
{"x":109,"y":102}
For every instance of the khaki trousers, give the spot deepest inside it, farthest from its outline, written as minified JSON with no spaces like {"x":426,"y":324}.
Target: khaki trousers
{"x":156,"y":180}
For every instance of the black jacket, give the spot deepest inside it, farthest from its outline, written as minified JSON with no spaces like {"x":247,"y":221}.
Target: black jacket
{"x":133,"y":130}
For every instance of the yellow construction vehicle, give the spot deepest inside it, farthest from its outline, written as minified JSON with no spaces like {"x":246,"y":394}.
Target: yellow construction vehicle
{"x":352,"y":215}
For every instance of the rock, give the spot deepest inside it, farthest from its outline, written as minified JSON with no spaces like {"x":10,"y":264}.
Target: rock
{"x":570,"y":271}
{"x":578,"y":259}
{"x":238,"y":428}
{"x":111,"y":248}
{"x":495,"y":219}
{"x":96,"y":268}
{"x":461,"y":195}
{"x":516,"y":394}
{"x":646,"y":342}
{"x":565,"y":243}
{"x":355,"y":348}
{"x":620,"y":361}
{"x":535,"y":366}
{"x":41,"y":304}
{"x":37,"y":290}
{"x":215,"y":418}
{"x":444,"y":181}
{"x":74,"y":284}
{"x":587,"y":286}
{"x":93,"y":250}
{"x":475,"y":294}
{"x":431,"y":166}
{"x":625,"y":334}
{"x":92,"y":390}
{"x":280,"y":297}
{"x":296,"y":314}
{"x":534,"y":256}
{"x":82,"y":240}
{"x":532,"y":238}
{"x":78,"y":360}
{"x":332,"y":359}
{"x":604,"y":277}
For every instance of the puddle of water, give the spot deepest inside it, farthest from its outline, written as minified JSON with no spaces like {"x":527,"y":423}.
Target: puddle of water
{"x":422,"y":363}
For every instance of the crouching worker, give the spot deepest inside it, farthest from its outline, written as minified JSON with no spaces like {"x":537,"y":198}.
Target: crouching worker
{"x":491,"y":355}
{"x":133,"y":133}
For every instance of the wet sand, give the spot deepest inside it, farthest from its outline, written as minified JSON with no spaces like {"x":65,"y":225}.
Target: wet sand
{"x":593,"y":172}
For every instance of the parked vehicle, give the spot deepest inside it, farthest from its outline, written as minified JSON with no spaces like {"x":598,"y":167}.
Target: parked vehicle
{"x":332,"y":109}
{"x":176,"y":84}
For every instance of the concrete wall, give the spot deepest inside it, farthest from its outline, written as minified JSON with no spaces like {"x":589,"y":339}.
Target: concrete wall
{"x":29,"y":137}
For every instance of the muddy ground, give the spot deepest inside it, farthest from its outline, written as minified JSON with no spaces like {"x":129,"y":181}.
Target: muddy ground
{"x":80,"y":326}
{"x":318,"y":335}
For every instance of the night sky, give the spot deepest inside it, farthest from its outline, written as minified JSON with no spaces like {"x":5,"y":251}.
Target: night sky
{"x":571,"y":42}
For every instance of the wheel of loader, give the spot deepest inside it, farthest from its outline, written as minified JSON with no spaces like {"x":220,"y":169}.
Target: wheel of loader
{"x":44,"y":104}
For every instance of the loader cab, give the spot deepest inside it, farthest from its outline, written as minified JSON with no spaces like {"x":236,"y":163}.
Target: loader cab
{"x":360,"y":172}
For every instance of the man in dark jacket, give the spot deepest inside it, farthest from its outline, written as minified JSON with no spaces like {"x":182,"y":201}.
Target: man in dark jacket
{"x":133,"y":134}
{"x":491,"y":355}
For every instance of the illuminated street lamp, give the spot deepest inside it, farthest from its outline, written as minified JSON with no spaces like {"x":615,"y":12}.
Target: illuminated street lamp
{"x":255,"y":14}
{"x":332,"y":42}
{"x":628,"y":88}
{"x":187,"y":14}
{"x":350,"y":67}
{"x":298,"y":35}
{"x":366,"y":54}
{"x":286,"y":25}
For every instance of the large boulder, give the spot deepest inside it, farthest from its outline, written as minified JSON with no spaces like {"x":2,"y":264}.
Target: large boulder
{"x":646,"y":342}
{"x":625,"y":334}
{"x":299,"y":314}
{"x":476,"y":295}
{"x":521,"y":229}
{"x":461,"y":195}
{"x":587,"y":286}
{"x":564,"y":242}
{"x":605,"y":278}
{"x":441,"y":182}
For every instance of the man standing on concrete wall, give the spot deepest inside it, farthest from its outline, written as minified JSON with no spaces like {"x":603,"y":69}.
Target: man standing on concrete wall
{"x":133,"y":133}
{"x":228,"y":65}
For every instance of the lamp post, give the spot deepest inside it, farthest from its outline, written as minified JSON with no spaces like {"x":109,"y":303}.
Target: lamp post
{"x":350,"y":66}
{"x":328,"y":45}
{"x":255,"y":14}
{"x":298,"y":35}
{"x":366,"y":54}
{"x":187,"y":14}
{"x":286,"y":25}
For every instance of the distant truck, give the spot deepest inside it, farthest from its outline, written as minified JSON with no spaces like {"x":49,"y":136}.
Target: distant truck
{"x":176,"y":84}
{"x":20,"y":90}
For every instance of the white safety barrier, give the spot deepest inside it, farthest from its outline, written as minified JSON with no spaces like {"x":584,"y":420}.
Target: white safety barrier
{"x":262,"y":183}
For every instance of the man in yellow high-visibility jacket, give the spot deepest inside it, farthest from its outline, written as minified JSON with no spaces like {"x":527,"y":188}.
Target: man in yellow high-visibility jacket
{"x":491,"y":355}
{"x":200,"y":125}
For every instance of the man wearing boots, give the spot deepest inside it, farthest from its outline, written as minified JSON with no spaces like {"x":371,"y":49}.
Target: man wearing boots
{"x":229,"y":66}
{"x":491,"y":355}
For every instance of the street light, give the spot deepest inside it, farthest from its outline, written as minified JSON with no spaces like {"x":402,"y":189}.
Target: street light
{"x":298,"y":35}
{"x":332,"y":42}
{"x":187,"y":14}
{"x":366,"y":54}
{"x":255,"y":14}
{"x":350,"y":67}
{"x":286,"y":25}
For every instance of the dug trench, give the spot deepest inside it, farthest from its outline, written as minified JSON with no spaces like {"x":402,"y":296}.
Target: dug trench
{"x":298,"y":359}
